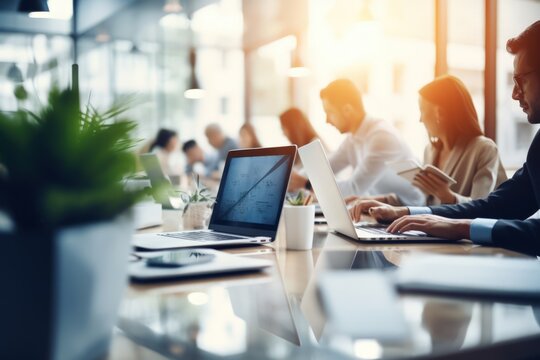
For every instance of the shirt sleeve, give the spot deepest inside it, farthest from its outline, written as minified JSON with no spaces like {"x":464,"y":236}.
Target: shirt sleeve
{"x":338,"y":159}
{"x":419,"y":210}
{"x":378,"y":147}
{"x":481,"y":231}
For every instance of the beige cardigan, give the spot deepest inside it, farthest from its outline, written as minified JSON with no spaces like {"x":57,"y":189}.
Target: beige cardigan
{"x":476,"y":166}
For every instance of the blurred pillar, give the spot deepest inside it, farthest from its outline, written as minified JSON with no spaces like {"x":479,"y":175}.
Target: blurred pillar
{"x":441,"y":37}
{"x":490,"y":70}
{"x":247,"y":87}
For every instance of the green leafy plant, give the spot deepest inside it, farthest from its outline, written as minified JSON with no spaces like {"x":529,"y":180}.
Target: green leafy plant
{"x":302,"y":198}
{"x":200,"y":193}
{"x":63,"y":166}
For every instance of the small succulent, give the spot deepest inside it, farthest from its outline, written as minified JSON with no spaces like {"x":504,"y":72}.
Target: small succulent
{"x":302,"y":198}
{"x":200,"y":193}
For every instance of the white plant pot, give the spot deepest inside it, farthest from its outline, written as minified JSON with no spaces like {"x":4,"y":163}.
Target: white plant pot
{"x":299,"y":226}
{"x":197,"y":215}
{"x":71,"y":283}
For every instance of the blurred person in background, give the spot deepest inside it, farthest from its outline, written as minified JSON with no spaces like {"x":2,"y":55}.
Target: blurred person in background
{"x":247,"y":137}
{"x":166,"y":147}
{"x":195,"y":156}
{"x":297,"y":128}
{"x":219,"y":141}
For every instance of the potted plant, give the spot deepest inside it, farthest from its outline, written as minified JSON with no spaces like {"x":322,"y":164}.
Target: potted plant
{"x":64,"y":253}
{"x":198,"y":205}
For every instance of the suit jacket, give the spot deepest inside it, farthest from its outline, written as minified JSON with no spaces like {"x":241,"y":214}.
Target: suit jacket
{"x":512,"y":203}
{"x":475,"y":165}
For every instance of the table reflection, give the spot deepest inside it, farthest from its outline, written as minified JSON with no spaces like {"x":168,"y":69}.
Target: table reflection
{"x":277,"y":314}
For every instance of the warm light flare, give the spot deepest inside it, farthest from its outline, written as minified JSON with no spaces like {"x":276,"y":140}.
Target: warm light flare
{"x":194,"y":94}
{"x":298,"y":71}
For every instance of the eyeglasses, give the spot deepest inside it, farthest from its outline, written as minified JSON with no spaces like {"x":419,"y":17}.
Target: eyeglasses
{"x":518,"y":79}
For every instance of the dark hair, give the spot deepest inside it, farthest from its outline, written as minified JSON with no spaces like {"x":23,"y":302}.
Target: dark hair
{"x":300,"y":129}
{"x":251,"y":130}
{"x":162,"y":138}
{"x":460,"y":119}
{"x":341,"y":92}
{"x":189,"y":145}
{"x":528,"y":40}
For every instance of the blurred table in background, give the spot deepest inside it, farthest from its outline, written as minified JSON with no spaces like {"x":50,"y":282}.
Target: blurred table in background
{"x":277,"y":315}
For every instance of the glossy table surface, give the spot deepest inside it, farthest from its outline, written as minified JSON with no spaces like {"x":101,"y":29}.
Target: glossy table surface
{"x":276,"y":314}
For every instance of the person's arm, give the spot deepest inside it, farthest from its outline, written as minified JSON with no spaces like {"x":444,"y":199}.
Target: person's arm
{"x":380,"y":147}
{"x":514,"y":199}
{"x":519,"y":235}
{"x":486,"y":174}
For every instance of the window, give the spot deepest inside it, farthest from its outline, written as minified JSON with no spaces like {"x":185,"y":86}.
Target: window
{"x":514,"y":133}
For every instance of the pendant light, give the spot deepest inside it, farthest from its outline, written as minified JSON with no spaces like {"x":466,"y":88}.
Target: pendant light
{"x":34,"y":8}
{"x":193,"y":91}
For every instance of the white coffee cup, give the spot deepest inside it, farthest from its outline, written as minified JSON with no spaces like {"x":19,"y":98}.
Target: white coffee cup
{"x":299,"y":225}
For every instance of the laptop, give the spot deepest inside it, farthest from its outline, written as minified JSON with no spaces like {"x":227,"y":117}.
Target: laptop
{"x":160,"y":182}
{"x":324,"y":184}
{"x":248,"y":204}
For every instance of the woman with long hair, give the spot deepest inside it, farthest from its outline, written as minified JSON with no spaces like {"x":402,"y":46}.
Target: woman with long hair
{"x":166,"y":147}
{"x":297,"y":128}
{"x":247,"y":137}
{"x":457,"y":146}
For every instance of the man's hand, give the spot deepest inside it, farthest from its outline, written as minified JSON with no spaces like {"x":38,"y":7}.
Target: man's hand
{"x":431,"y":184}
{"x":452,"y":229}
{"x":378,"y":210}
{"x":297,"y":181}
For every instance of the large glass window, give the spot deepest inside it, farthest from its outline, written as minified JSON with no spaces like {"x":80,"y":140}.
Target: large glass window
{"x":465,"y":49}
{"x":153,"y":64}
{"x":31,"y":64}
{"x":386,"y":47}
{"x":514,"y":133}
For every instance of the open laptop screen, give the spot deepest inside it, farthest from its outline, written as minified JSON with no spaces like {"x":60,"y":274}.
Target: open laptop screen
{"x":252,"y":190}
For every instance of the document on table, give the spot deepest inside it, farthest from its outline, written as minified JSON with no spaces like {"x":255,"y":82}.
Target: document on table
{"x":471,"y":276}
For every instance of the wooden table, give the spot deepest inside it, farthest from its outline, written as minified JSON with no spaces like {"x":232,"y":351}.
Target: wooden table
{"x":276,"y":314}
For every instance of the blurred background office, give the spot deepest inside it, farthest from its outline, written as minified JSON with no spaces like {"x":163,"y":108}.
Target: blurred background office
{"x":229,"y":62}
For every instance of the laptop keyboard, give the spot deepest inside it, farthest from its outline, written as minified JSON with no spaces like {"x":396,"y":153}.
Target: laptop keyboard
{"x":380,"y":230}
{"x":202,"y":236}
{"x":374,"y":230}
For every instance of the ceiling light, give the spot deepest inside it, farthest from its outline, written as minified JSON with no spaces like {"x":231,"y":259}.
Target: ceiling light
{"x":31,"y":6}
{"x":193,"y":91}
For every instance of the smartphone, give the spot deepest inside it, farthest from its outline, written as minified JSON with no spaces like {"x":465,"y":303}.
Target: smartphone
{"x":179,"y":258}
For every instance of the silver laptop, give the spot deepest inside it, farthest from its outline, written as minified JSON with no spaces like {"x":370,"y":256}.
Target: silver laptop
{"x":324,"y":184}
{"x":248,"y":204}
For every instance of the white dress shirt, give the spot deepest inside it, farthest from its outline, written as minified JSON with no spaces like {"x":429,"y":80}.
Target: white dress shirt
{"x":367,"y":151}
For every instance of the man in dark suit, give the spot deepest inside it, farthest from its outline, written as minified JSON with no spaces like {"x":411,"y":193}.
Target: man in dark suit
{"x":501,"y":219}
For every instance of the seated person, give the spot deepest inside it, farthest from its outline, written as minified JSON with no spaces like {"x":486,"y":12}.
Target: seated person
{"x":457,"y":146}
{"x":219,"y":141}
{"x":166,"y":146}
{"x":503,"y":218}
{"x":247,"y":137}
{"x":195,"y":155}
{"x":297,"y":128}
{"x":369,"y":145}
